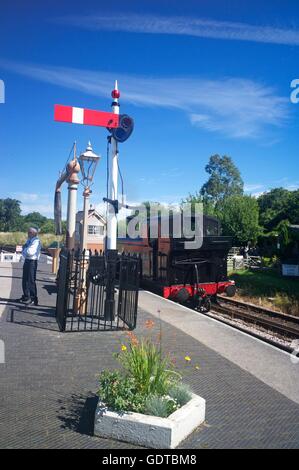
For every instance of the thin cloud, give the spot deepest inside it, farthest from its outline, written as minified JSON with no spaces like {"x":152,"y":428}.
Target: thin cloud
{"x":234,"y":107}
{"x":257,"y":189}
{"x":186,"y":26}
{"x":253,"y":187}
{"x":26,"y":197}
{"x":44,"y":209}
{"x":33,"y":202}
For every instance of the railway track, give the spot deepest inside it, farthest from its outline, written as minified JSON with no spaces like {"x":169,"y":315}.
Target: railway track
{"x":278,"y":325}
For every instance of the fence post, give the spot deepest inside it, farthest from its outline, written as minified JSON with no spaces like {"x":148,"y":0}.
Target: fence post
{"x":111,"y":260}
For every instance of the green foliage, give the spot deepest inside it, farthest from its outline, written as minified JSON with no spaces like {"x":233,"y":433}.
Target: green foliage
{"x":47,"y":227}
{"x":283,"y":232}
{"x":147,"y":382}
{"x":120,"y":393}
{"x":63,"y":226}
{"x":161,"y":406}
{"x":181,"y":393}
{"x":10,"y":215}
{"x":12,"y":238}
{"x":11,"y":219}
{"x":278,"y":205}
{"x":224,"y":181}
{"x":33,"y":219}
{"x":240,"y":218}
{"x":265,"y":283}
{"x":286,"y":304}
{"x":278,"y":209}
{"x":153,"y":373}
{"x":208,"y":206}
{"x":19,"y":238}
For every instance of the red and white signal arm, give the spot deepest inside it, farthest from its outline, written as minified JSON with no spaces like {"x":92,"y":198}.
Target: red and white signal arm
{"x":87,"y":117}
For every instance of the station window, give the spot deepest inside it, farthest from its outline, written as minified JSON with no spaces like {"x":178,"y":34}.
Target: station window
{"x":95,"y":230}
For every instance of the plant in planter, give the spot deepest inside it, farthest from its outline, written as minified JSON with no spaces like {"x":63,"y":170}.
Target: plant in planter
{"x":140,"y":401}
{"x":146,"y":383}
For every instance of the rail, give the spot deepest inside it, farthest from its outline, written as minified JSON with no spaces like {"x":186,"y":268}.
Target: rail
{"x":281,"y":324}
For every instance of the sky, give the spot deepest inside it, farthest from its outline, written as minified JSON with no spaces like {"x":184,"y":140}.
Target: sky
{"x":198,"y":77}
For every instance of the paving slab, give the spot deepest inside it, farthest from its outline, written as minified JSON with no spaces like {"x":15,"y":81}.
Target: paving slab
{"x":49,"y":380}
{"x":266,"y":362}
{"x":6,"y":284}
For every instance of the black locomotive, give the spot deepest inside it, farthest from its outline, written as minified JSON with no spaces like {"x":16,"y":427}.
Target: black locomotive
{"x":187,"y":274}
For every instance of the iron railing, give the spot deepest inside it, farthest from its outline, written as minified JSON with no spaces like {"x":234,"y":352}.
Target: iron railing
{"x":97,"y":291}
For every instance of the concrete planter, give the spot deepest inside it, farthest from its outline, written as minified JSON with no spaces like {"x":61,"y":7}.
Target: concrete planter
{"x":151,"y":431}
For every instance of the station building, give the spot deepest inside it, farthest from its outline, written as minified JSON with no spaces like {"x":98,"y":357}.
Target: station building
{"x":96,"y":230}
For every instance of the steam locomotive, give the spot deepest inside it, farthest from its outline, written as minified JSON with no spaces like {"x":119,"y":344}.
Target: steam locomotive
{"x":191,"y":276}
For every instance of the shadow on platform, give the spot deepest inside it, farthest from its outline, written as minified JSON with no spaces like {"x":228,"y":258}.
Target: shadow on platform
{"x":50,"y":288}
{"x":43,"y":318}
{"x":77,"y":413}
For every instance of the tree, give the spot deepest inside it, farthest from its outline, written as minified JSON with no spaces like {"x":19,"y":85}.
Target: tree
{"x":273,"y":207}
{"x":10,"y":214}
{"x":278,"y":205}
{"x":47,"y":227}
{"x":11,"y":219}
{"x":63,"y":226}
{"x":208,"y":206}
{"x":293,"y":207}
{"x":224,"y":181}
{"x":240,"y":218}
{"x":34,"y":219}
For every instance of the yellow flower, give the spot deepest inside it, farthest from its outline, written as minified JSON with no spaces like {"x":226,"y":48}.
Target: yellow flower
{"x":187,"y":358}
{"x":123,"y":347}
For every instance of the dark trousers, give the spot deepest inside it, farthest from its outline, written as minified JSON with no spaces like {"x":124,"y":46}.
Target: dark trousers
{"x":29,"y":278}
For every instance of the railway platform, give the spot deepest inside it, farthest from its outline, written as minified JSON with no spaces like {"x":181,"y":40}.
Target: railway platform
{"x":48,"y":381}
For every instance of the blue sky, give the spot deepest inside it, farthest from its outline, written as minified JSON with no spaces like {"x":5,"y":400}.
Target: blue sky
{"x":198,"y":77}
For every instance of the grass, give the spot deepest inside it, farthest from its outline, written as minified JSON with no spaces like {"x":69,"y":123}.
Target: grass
{"x":268,"y":288}
{"x":19,"y":238}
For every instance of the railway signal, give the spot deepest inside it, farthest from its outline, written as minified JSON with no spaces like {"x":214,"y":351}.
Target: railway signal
{"x":120,"y":127}
{"x":124,"y":129}
{"x":87,"y":117}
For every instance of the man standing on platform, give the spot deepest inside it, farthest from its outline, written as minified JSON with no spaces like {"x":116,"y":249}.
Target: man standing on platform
{"x":31,"y":254}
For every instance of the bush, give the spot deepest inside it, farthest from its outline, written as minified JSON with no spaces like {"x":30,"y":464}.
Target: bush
{"x":269,"y":289}
{"x":286,"y":304}
{"x":120,"y":393}
{"x":160,"y":406}
{"x":181,"y":393}
{"x":147,"y":382}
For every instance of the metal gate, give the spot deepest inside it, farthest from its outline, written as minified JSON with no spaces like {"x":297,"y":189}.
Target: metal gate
{"x":97,"y":291}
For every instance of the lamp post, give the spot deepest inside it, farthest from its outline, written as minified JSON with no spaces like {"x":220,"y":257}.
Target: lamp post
{"x":88,"y":163}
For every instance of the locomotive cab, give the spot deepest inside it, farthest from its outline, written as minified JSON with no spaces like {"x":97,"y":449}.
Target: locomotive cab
{"x":187,"y":267}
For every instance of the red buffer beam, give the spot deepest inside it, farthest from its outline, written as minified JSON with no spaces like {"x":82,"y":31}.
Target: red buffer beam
{"x":85,"y":116}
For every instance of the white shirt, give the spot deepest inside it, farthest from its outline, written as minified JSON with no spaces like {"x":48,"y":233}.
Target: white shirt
{"x":32,"y":249}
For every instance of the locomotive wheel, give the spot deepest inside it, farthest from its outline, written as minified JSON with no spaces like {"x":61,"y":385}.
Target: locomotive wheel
{"x":182,"y":295}
{"x":204,"y":305}
{"x":230,"y":290}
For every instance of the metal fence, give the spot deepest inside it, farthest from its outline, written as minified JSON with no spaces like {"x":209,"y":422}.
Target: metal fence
{"x":97,"y":291}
